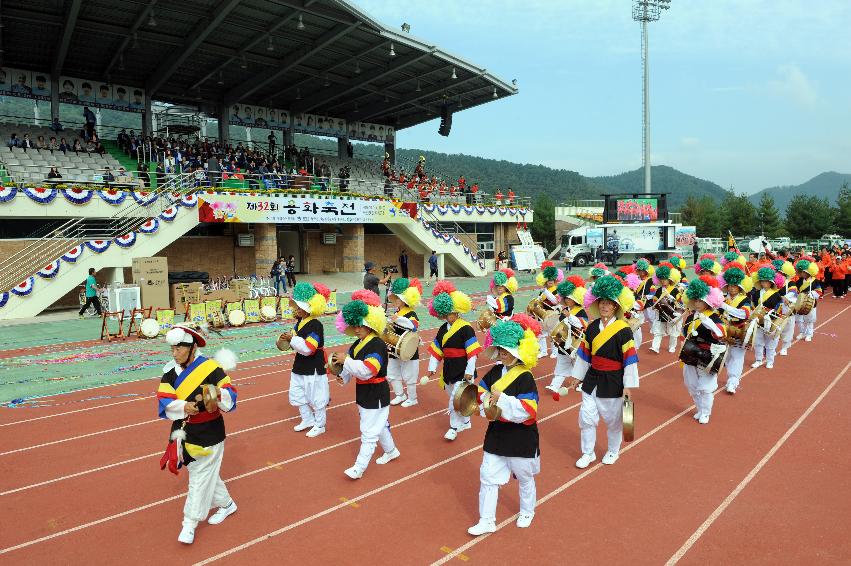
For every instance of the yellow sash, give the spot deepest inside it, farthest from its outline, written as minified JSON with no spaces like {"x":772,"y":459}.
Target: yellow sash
{"x":767,"y":296}
{"x":304,"y":321}
{"x":194,"y":379}
{"x":506,"y":380}
{"x":359,"y":346}
{"x":456,"y":326}
{"x":695,"y":322}
{"x":606,"y":334}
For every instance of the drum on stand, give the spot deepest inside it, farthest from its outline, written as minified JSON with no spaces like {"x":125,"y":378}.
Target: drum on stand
{"x":404,"y":345}
{"x":268,"y":313}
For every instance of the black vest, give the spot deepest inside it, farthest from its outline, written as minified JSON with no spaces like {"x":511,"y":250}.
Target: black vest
{"x":308,"y":365}
{"x":503,"y":438}
{"x":375,"y":393}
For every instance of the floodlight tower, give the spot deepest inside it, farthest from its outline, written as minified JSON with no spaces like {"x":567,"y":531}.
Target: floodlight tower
{"x":647,"y":11}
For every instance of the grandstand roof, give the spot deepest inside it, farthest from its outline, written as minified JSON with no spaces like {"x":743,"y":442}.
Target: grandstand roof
{"x":205,"y":52}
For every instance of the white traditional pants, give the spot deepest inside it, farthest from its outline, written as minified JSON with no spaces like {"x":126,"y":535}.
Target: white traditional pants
{"x":311,"y":395}
{"x":206,"y":488}
{"x":735,"y":362}
{"x":807,"y":322}
{"x":590,"y":411}
{"x":496,"y":471}
{"x":764,"y":346}
{"x":700,"y":385}
{"x":456,"y":419}
{"x":403,"y":375}
{"x":788,"y":333}
{"x":638,"y":337}
{"x":542,"y":344}
{"x":662,"y":329}
{"x":374,"y":429}
{"x":564,"y":365}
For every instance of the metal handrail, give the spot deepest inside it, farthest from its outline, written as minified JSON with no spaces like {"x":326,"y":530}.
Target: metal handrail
{"x":76,"y":231}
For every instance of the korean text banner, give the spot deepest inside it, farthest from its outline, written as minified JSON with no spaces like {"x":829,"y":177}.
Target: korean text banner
{"x":305,"y":210}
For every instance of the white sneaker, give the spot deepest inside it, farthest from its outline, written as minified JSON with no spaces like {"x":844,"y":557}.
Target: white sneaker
{"x":303,"y":425}
{"x":451,"y":434}
{"x":465,"y":426}
{"x":187,"y":535}
{"x":315,"y":431}
{"x":704,"y":419}
{"x":388,"y":456}
{"x":482,"y":527}
{"x":610,"y":458}
{"x":524,"y":520}
{"x":398,"y":399}
{"x":354,"y":472}
{"x":808,"y":339}
{"x":222,"y":513}
{"x":672,"y":351}
{"x":408,"y":403}
{"x":784,"y":352}
{"x":731,"y":389}
{"x":756,"y":364}
{"x":800,"y":336}
{"x":769,"y":365}
{"x":585,"y":460}
{"x":654,"y":350}
{"x":696,"y":415}
{"x":554,"y":354}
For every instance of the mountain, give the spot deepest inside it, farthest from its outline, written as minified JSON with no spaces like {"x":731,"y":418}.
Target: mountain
{"x":823,"y":185}
{"x":664,"y":180}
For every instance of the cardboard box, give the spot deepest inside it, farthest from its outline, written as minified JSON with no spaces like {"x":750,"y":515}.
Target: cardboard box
{"x":226,"y":295}
{"x":176,"y":295}
{"x":151,"y":274}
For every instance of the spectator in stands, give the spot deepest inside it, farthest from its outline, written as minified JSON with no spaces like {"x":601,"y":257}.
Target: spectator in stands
{"x":78,"y":147}
{"x":52,"y":145}
{"x":13,"y":140}
{"x":99,"y":149}
{"x":56,"y":126}
{"x":432,"y":267}
{"x":90,"y":120}
{"x":159,"y":172}
{"x":473,"y":193}
{"x":345,"y":173}
{"x":498,"y":196}
{"x":90,"y":146}
{"x":53,"y":173}
{"x":91,"y":293}
{"x":63,"y":146}
{"x":27,"y":143}
{"x":462,"y":182}
{"x":272,"y":143}
{"x":510,"y":199}
{"x":142,"y":174}
{"x":108,"y":177}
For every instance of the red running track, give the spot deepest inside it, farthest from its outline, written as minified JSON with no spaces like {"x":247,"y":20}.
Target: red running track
{"x":294,"y":498}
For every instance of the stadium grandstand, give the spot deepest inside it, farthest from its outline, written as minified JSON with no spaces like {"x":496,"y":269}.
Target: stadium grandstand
{"x":246,"y":130}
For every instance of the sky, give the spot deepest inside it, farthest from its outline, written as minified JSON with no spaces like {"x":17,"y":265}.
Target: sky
{"x":746,"y":93}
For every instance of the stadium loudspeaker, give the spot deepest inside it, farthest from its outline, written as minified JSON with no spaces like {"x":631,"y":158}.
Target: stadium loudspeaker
{"x":445,"y":121}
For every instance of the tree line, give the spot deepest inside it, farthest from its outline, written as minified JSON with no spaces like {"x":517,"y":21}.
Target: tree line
{"x":806,"y":217}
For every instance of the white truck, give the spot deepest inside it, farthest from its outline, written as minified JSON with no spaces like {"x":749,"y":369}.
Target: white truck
{"x":655,"y":241}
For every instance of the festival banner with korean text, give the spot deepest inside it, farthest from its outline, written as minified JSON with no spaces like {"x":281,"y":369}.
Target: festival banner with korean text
{"x":307,"y":209}
{"x":331,"y":305}
{"x":197,"y":312}
{"x":165,"y":318}
{"x":252,"y":310}
{"x":286,"y":309}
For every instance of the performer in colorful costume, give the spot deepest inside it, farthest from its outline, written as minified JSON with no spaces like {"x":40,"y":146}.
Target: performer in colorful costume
{"x":511,"y":446}
{"x":607,"y":366}
{"x":309,"y":390}
{"x":572,"y":294}
{"x":549,"y":277}
{"x":771,"y":300}
{"x":737,"y":309}
{"x":197,"y":429}
{"x":666,"y":288}
{"x":403,"y":375}
{"x":456,"y":345}
{"x":807,"y":283}
{"x":366,"y":362}
{"x":703,"y":327}
{"x":503,"y":286}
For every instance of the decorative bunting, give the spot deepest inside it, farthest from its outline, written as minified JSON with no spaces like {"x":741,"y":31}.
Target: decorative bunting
{"x":150,"y":226}
{"x":49,"y":271}
{"x":40,"y":194}
{"x":25,"y":287}
{"x":72,"y":255}
{"x":4,"y":298}
{"x":127,"y":240}
{"x":77,"y":196}
{"x":189,"y":201}
{"x":98,"y":246}
{"x":8,"y":193}
{"x":111,"y":196}
{"x":145,"y":198}
{"x":169,"y":214}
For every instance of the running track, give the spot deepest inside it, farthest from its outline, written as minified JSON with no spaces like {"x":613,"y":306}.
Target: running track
{"x":765,"y":482}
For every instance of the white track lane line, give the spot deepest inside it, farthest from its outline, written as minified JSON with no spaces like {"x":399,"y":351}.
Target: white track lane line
{"x":587,"y":472}
{"x":690,"y":542}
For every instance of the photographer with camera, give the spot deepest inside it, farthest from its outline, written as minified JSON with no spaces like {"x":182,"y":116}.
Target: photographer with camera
{"x":371,"y":280}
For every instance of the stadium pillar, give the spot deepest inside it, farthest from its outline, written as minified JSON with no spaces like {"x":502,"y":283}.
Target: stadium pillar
{"x":390,"y":149}
{"x":265,"y":248}
{"x":288,"y":137}
{"x":54,"y":98}
{"x":147,"y":119}
{"x":341,"y":148}
{"x":223,"y":124}
{"x":353,"y":248}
